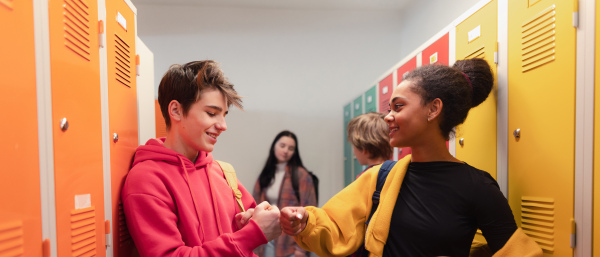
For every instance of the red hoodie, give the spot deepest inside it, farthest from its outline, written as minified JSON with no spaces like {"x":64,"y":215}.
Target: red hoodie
{"x":170,"y":215}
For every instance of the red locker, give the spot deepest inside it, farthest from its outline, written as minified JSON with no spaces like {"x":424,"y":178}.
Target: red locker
{"x":404,"y":69}
{"x":438,"y":52}
{"x":385,"y":89}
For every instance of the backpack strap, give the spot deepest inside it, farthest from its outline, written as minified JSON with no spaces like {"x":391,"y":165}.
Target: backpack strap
{"x":231,"y":178}
{"x":384,"y":170}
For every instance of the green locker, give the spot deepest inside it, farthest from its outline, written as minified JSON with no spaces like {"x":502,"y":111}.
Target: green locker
{"x":347,"y":148}
{"x":371,"y":100}
{"x":357,"y":109}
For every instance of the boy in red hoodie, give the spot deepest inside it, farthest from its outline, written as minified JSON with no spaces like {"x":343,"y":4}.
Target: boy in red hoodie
{"x":176,"y":199}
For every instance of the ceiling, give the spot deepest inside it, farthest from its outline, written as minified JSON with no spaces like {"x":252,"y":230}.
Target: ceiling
{"x":388,"y":5}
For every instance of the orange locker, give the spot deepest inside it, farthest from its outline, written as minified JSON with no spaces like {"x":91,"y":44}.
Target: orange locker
{"x":77,"y":135}
{"x":161,"y":127}
{"x":123,"y":119}
{"x":541,"y":147}
{"x":20,"y":204}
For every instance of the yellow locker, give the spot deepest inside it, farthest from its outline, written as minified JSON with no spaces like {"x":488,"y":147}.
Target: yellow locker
{"x":77,"y":135}
{"x":476,"y":37}
{"x":20,"y":204}
{"x":596,"y":197}
{"x":541,"y":109}
{"x":122,"y":104}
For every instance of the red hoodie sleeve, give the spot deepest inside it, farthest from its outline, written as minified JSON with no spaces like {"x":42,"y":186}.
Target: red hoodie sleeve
{"x":151,"y":220}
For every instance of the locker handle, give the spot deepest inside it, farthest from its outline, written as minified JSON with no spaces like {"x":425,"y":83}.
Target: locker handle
{"x":573,"y":235}
{"x":101,"y":33}
{"x":64,"y":124}
{"x":107,"y":233}
{"x":517,"y":133}
{"x":461,"y":142}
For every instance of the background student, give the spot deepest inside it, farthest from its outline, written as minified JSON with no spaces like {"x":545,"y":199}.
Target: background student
{"x":275,"y":185}
{"x":369,"y":136}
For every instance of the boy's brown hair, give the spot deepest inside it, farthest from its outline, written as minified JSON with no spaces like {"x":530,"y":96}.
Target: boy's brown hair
{"x":186,"y":83}
{"x":370,"y":132}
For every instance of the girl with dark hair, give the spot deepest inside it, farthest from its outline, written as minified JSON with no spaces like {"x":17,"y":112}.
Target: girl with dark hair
{"x":281,"y":176}
{"x":431,"y":203}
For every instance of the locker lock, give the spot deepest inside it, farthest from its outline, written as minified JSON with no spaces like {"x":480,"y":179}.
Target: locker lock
{"x":517,"y":133}
{"x":64,"y":124}
{"x":461,"y":142}
{"x":115,"y":137}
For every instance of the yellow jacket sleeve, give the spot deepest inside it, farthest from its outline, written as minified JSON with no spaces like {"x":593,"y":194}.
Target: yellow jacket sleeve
{"x":338,"y":228}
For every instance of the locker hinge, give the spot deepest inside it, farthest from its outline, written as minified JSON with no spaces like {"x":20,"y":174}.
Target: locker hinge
{"x":46,"y":248}
{"x":573,"y":235}
{"x":101,"y":33}
{"x":576,"y":14}
{"x":137,"y":64}
{"x":107,"y":233}
{"x":496,"y":54}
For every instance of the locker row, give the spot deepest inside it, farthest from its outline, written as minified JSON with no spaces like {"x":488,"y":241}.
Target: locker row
{"x":69,"y":95}
{"x":537,"y":131}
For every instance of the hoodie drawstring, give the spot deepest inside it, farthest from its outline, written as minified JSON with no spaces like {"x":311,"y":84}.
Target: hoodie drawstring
{"x":215,"y":204}
{"x":212,"y":193}
{"x":192,"y":194}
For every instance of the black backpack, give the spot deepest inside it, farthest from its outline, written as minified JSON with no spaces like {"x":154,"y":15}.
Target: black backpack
{"x":315,"y":180}
{"x":381,"y":177}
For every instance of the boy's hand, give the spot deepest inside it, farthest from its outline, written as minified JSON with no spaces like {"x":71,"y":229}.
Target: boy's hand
{"x":267,"y":218}
{"x":293,"y":220}
{"x":241,"y":219}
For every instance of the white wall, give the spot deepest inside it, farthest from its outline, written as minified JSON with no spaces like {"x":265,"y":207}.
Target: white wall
{"x":145,"y":93}
{"x":423,"y":19}
{"x":296,"y":69}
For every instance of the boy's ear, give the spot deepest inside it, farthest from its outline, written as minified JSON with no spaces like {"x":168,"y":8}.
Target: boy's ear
{"x":175,"y":110}
{"x":435,"y":108}
{"x":367,"y":153}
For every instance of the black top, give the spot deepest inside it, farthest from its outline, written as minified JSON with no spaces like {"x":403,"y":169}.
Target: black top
{"x":441,"y":205}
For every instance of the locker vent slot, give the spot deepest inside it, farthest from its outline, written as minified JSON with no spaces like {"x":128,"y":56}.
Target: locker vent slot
{"x":532,"y":2}
{"x":77,"y":27}
{"x":538,"y":40}
{"x":537,"y":220}
{"x":83,"y":232}
{"x":122,"y":61}
{"x":11,"y":238}
{"x":478,"y":53}
{"x":7,"y":3}
{"x":124,"y":237}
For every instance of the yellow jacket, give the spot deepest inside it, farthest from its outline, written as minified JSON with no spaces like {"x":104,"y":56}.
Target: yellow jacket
{"x":337,"y":229}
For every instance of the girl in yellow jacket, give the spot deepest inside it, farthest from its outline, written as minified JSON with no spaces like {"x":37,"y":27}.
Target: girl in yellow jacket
{"x":431,"y":203}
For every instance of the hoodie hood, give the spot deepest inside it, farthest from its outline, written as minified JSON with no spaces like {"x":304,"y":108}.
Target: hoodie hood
{"x":155,"y":150}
